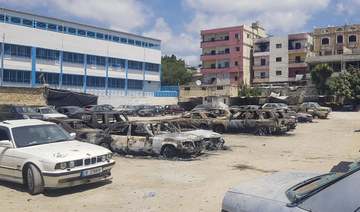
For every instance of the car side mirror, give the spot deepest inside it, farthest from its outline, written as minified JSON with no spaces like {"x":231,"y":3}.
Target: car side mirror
{"x":73,"y":135}
{"x":6,"y":143}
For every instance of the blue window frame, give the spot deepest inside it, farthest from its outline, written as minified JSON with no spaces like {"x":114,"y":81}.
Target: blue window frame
{"x":51,"y":27}
{"x":152,"y":67}
{"x":135,"y":84}
{"x":95,"y":60}
{"x":16,"y":76}
{"x":27,"y":22}
{"x":116,"y":83}
{"x":123,"y":40}
{"x":15,"y":20}
{"x":115,"y":38}
{"x":47,"y":54}
{"x":62,"y":28}
{"x":135,"y":65}
{"x":115,"y":62}
{"x":50,"y":78}
{"x":74,"y":80}
{"x":90,"y":34}
{"x":138,"y":43}
{"x":100,"y":35}
{"x":71,"y":30}
{"x":95,"y":81}
{"x":41,"y":25}
{"x":17,"y":50}
{"x":130,"y":41}
{"x":73,"y":57}
{"x":81,"y":32}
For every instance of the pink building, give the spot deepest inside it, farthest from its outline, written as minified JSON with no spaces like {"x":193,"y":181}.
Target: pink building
{"x":226,"y":54}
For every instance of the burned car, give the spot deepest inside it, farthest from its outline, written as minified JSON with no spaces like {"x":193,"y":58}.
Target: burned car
{"x":297,"y":191}
{"x":75,"y":112}
{"x":212,"y":140}
{"x":314,"y":109}
{"x":144,"y":138}
{"x":83,"y":131}
{"x":200,"y":119}
{"x":262,"y":122}
{"x":103,"y":120}
{"x":288,"y":116}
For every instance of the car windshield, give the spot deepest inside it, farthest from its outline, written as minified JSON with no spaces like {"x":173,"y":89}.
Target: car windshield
{"x":303,"y":190}
{"x":48,"y":111}
{"x":24,"y":109}
{"x":39,"y":134}
{"x":316,"y":105}
{"x":76,"y":109}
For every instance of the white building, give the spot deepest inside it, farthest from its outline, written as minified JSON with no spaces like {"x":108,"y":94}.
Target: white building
{"x":76,"y":57}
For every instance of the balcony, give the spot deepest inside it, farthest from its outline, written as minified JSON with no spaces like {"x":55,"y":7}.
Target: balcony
{"x":301,"y":50}
{"x":261,"y":79}
{"x":215,"y":40}
{"x":258,"y":53}
{"x":214,"y":43}
{"x":297,"y":63}
{"x":266,"y":63}
{"x":215,"y":56}
{"x":196,"y":91}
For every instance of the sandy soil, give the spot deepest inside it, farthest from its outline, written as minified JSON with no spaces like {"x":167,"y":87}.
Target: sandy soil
{"x":148,"y":184}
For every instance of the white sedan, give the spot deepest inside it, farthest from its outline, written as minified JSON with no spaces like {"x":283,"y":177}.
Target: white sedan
{"x":42,"y":155}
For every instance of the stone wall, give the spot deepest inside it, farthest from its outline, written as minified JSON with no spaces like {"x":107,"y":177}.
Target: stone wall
{"x":22,"y":95}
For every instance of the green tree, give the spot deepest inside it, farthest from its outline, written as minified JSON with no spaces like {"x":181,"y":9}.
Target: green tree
{"x":244,"y":90}
{"x":320,"y":75}
{"x":347,"y":84}
{"x":173,"y":71}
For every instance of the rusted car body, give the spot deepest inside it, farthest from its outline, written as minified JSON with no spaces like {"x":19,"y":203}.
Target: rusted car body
{"x":288,"y":116}
{"x":313,"y":109}
{"x":199,"y":119}
{"x":259,"y":121}
{"x":211,"y":139}
{"x":102,"y":120}
{"x":83,"y":130}
{"x":147,"y":138}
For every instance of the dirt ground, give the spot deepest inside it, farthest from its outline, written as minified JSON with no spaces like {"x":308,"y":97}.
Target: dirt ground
{"x":148,"y":184}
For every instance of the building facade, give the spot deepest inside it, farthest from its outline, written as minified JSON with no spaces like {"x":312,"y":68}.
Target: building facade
{"x":281,"y":58}
{"x":226,"y":54}
{"x":38,"y":50}
{"x":337,"y":46}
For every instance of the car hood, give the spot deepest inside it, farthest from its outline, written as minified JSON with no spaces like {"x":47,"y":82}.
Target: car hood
{"x":203,"y":133}
{"x":272,"y":186}
{"x":179,"y":136}
{"x":67,"y":150}
{"x":323,"y":108}
{"x":54,"y":116}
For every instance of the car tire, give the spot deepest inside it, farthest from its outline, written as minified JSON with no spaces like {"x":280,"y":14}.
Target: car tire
{"x":316,"y":117}
{"x":34,"y":180}
{"x":204,"y":126}
{"x":262,"y":130}
{"x":169,"y":151}
{"x":151,"y":114}
{"x":106,"y":144}
{"x":219,"y":129}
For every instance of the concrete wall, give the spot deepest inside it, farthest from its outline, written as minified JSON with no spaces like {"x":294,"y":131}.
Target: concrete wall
{"x":136,"y":100}
{"x":18,"y":95}
{"x":282,"y":52}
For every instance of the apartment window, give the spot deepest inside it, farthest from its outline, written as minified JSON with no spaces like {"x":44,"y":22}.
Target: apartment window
{"x":226,"y":37}
{"x":262,"y":75}
{"x":236,"y":35}
{"x":16,"y":76}
{"x":278,"y":73}
{"x":135,"y":84}
{"x":325,"y":41}
{"x":236,"y":78}
{"x":352,"y":38}
{"x":237,"y":49}
{"x":340,"y":39}
{"x":278,"y":46}
{"x":73,"y":57}
{"x":219,"y":88}
{"x":227,"y":64}
{"x":116,"y":83}
{"x":47,"y":54}
{"x":213,"y":66}
{"x":17,"y":50}
{"x":278,"y":59}
{"x":227,"y":51}
{"x":96,"y":60}
{"x":297,"y":45}
{"x":69,"y":79}
{"x":262,"y":62}
{"x":297,"y":59}
{"x":236,"y":63}
{"x":95,"y":81}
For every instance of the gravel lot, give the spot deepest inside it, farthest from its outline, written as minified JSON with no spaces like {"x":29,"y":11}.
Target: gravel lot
{"x":153,"y":184}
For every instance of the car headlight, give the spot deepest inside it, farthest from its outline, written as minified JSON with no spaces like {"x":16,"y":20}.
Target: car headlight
{"x":63,"y":165}
{"x":71,"y":164}
{"x":109,"y":156}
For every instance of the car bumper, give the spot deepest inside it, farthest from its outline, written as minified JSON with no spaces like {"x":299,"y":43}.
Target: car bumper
{"x":73,"y":178}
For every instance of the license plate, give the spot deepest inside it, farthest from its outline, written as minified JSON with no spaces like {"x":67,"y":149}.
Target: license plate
{"x":92,"y":171}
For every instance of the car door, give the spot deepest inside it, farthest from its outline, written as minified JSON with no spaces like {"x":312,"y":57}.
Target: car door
{"x":6,"y":155}
{"x":237,"y":122}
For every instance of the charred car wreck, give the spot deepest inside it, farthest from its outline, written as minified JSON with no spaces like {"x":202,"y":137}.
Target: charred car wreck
{"x":145,"y":138}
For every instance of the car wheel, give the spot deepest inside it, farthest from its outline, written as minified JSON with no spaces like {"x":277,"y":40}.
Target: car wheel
{"x":262,"y":130}
{"x":316,"y":117}
{"x":219,"y":129}
{"x":173,"y":113}
{"x":204,"y":126}
{"x":163,"y":114}
{"x":169,"y":151}
{"x":151,"y":114}
{"x":34,"y":180}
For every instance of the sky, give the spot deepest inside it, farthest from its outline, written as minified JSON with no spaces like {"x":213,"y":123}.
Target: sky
{"x":177,"y":23}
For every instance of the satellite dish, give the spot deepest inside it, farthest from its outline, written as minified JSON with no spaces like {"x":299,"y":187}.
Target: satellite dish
{"x":198,"y":82}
